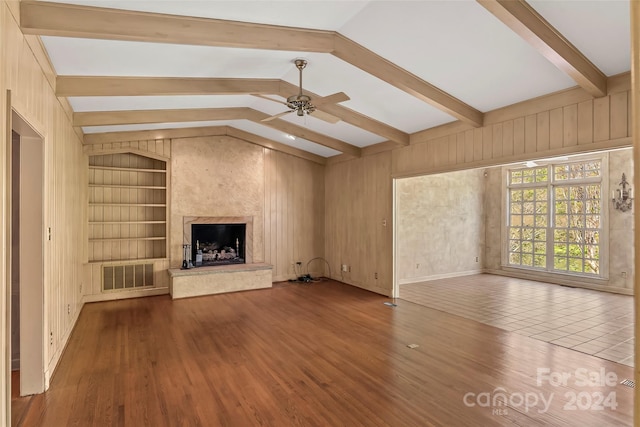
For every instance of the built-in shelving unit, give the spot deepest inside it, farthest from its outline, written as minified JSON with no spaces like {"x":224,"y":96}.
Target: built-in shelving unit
{"x":127,"y":208}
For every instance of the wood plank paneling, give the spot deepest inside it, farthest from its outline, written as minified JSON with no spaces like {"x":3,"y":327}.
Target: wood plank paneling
{"x":358,"y":221}
{"x":487,"y":142}
{"x":547,"y":132}
{"x":497,"y":140}
{"x":556,"y":129}
{"x":585,"y":120}
{"x":507,"y":138}
{"x":619,"y":107}
{"x":518,"y":135}
{"x":570,"y":125}
{"x":65,"y":185}
{"x":543,"y":131}
{"x":601,"y":119}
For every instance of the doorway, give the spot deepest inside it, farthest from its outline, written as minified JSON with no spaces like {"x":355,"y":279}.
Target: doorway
{"x":27,"y":258}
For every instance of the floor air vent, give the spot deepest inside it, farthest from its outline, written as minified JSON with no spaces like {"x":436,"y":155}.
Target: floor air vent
{"x":628,"y":383}
{"x":126,"y":276}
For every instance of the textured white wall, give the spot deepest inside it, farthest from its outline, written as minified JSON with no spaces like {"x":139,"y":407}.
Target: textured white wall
{"x":217,"y":176}
{"x":620,"y":223}
{"x":440,"y":225}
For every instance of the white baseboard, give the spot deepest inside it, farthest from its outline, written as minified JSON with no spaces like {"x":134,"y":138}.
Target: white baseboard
{"x":439,"y":276}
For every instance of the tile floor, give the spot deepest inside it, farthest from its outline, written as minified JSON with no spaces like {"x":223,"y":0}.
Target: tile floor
{"x":592,"y":322}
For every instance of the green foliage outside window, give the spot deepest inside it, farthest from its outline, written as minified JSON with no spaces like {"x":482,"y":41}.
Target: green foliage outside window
{"x":565,"y":209}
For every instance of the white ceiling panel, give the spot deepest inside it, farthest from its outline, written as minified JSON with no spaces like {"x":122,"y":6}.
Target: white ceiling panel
{"x":340,"y":130}
{"x":318,"y":14}
{"x":459,"y":47}
{"x":599,"y":29}
{"x":71,"y":56}
{"x":282,"y":137}
{"x":325,"y":74}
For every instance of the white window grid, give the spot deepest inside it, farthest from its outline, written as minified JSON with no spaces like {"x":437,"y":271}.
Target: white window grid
{"x":533,"y":229}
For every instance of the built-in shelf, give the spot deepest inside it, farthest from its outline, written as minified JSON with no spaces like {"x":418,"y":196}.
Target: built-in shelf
{"x":128,"y":196}
{"x":123,"y":169}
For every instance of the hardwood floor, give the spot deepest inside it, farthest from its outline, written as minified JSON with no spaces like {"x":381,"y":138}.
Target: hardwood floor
{"x":325,"y":354}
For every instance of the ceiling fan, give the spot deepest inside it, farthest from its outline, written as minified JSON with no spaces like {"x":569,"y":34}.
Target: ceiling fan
{"x":301,"y":104}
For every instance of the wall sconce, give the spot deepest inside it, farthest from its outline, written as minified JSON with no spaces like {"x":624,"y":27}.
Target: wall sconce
{"x":622,"y":198}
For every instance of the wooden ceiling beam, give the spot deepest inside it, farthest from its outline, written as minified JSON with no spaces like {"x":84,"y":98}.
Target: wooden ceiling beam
{"x":128,"y":117}
{"x":199,"y":132}
{"x":67,"y":20}
{"x":268,"y":143}
{"x":150,"y":86}
{"x":304,"y":133}
{"x":368,"y":61}
{"x":349,"y":116}
{"x":535,"y":30}
{"x":141,"y":135}
{"x":106,"y":118}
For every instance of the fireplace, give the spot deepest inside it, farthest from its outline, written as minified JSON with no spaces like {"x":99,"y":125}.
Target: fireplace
{"x":218,"y":244}
{"x":219,"y":240}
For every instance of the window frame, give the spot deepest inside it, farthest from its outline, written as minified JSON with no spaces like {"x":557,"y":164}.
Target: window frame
{"x":551,"y":184}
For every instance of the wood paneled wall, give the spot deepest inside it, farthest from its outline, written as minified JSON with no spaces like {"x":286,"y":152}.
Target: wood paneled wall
{"x":578,"y":126}
{"x":358,"y":222}
{"x":33,"y":98}
{"x":293,"y":214}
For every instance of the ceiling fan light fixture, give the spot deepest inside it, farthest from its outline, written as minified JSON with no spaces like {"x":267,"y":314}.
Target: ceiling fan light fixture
{"x":301,"y":103}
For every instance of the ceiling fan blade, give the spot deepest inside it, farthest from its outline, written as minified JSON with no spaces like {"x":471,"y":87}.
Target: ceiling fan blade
{"x":268,"y":119}
{"x":331,"y":99}
{"x":268,"y":99}
{"x":325,"y":116}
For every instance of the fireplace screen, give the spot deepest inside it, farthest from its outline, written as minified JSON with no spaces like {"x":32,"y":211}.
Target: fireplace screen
{"x":218,"y":244}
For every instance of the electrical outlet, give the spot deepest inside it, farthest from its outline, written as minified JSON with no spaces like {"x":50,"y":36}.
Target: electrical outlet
{"x":345,"y":268}
{"x":68,"y":308}
{"x":476,"y":259}
{"x":624,"y":274}
{"x":349,"y":269}
{"x":298,"y":262}
{"x":51,"y":338}
{"x":375,"y":275}
{"x":417,"y":266}
{"x":384,"y":222}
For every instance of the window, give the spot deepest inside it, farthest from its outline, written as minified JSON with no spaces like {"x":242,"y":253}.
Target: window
{"x":554,"y":217}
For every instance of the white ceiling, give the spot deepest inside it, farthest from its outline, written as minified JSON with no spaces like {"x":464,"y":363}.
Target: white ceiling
{"x":458,"y":46}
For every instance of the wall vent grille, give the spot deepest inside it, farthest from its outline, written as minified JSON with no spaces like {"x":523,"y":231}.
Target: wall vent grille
{"x":126,"y":276}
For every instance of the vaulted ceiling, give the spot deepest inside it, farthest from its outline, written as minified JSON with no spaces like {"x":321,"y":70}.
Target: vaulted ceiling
{"x":406,"y":66}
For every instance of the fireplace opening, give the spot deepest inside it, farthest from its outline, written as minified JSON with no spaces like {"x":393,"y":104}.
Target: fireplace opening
{"x":218,"y":244}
